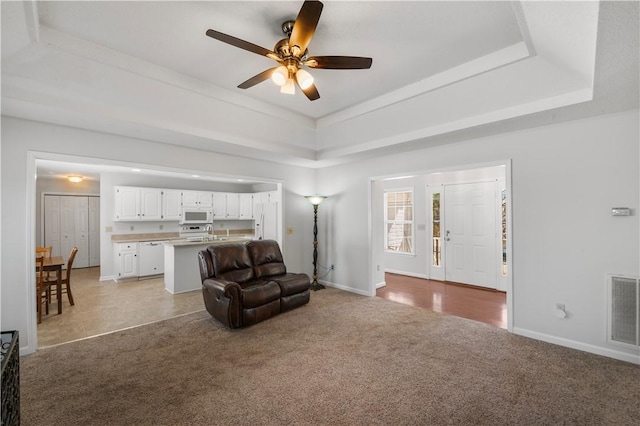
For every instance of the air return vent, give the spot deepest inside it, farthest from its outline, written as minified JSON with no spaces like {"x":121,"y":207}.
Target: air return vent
{"x":623,"y":310}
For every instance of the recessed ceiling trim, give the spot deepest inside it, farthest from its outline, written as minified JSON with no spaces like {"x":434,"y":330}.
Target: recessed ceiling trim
{"x":571,"y":98}
{"x":469,"y":69}
{"x":55,"y":39}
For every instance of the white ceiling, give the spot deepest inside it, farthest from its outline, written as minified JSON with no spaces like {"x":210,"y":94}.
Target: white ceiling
{"x":441,"y":71}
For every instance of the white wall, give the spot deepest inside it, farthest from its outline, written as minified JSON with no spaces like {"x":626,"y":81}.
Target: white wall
{"x":22,"y":138}
{"x":565,"y":179}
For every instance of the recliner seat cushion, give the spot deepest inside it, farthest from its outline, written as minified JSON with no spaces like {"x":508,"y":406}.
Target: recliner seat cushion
{"x":292,"y":283}
{"x":260,"y":293}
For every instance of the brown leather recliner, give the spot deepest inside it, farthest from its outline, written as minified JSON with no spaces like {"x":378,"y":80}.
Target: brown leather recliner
{"x":245,"y":283}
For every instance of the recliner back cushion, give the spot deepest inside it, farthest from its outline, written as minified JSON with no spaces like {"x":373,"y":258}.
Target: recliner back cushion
{"x":231,"y":262}
{"x":267,"y":258}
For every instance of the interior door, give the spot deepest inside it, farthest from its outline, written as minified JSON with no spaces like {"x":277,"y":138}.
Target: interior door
{"x":470,"y":234}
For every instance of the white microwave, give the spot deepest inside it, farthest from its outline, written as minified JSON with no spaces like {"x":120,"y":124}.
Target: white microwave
{"x":196,"y":216}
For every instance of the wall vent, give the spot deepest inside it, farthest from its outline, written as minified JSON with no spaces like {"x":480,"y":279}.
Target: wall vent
{"x":623,"y":310}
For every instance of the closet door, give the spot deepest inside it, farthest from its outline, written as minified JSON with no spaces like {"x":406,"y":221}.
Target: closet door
{"x":94,"y":231}
{"x":81,"y":227}
{"x":52,"y":223}
{"x":67,"y":225}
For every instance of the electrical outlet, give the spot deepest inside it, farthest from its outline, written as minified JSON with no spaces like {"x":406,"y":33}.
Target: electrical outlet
{"x":131,"y":228}
{"x":378,"y":267}
{"x":332,"y":267}
{"x":559,"y":306}
{"x":222,"y":225}
{"x":161,"y":227}
{"x":108,"y":229}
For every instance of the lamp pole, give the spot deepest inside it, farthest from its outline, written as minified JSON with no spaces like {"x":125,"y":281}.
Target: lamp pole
{"x":315,"y":200}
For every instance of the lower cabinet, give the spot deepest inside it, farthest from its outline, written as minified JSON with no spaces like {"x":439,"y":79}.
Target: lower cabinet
{"x":141,"y":259}
{"x":126,"y":255}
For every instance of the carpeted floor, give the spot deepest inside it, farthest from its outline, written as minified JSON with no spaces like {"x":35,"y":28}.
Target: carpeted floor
{"x":342,"y":359}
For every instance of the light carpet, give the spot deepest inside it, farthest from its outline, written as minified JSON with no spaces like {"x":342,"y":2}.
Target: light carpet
{"x":343,"y":359}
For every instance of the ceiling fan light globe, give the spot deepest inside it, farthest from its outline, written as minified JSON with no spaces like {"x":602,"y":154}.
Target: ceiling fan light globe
{"x":304,"y":79}
{"x":288,"y":88}
{"x":280,"y":75}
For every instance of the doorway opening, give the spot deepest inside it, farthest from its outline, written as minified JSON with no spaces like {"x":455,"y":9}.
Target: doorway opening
{"x":460,"y":229}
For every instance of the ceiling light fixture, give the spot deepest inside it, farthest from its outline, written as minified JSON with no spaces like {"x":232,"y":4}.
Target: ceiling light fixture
{"x":304,"y":79}
{"x":280,"y":75}
{"x":289,"y":87}
{"x":75,"y":178}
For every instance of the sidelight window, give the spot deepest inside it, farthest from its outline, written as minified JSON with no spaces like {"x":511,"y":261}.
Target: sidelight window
{"x":398,"y":218}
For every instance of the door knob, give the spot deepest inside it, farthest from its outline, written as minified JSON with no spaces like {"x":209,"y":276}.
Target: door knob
{"x":446,"y":238}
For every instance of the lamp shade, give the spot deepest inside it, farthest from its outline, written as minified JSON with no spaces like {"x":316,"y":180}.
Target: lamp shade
{"x":280,"y":75}
{"x":315,"y":199}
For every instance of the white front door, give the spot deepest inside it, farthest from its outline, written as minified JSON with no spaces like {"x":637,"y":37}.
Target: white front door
{"x":470,"y":234}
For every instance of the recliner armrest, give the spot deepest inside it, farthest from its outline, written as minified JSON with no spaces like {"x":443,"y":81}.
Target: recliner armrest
{"x":222,"y":299}
{"x":223,"y":287}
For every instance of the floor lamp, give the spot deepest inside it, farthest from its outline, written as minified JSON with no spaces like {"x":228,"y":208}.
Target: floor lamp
{"x":315,"y":200}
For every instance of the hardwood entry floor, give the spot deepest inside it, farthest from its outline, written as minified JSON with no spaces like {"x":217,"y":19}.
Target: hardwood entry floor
{"x":483,"y":305}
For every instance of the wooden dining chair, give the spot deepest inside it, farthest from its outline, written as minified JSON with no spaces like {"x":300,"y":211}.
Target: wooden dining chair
{"x":44,"y":251}
{"x":65,"y":279}
{"x":41,"y":288}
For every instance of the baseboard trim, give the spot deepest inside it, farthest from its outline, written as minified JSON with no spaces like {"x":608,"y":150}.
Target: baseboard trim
{"x":585,"y":347}
{"x":380,"y":285}
{"x":106,"y":278}
{"x":345,"y":288}
{"x":408,"y":274}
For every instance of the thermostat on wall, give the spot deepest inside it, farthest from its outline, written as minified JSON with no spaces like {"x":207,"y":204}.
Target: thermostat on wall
{"x":620,"y":211}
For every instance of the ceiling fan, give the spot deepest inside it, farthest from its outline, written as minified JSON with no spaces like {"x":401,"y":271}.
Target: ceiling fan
{"x":292,"y":55}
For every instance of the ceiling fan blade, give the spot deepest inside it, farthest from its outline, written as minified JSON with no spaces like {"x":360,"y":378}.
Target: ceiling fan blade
{"x":304,"y":27}
{"x":310,"y":92}
{"x":339,"y":62}
{"x":234,"y":41}
{"x":259,"y":78}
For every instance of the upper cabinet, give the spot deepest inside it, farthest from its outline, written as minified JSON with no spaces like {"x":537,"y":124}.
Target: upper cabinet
{"x":197,"y":199}
{"x":150,"y":204}
{"x":233,"y":206}
{"x":172,"y":204}
{"x":156,"y":204}
{"x":246,"y":206}
{"x":127,"y":203}
{"x":138,"y":204}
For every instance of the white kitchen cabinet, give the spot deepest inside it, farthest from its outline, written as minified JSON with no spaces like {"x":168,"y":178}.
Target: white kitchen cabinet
{"x":150,"y":258}
{"x":219,"y":200}
{"x":197,"y":199}
{"x":233,"y":206}
{"x":134,"y":204}
{"x":126,"y":255}
{"x":127,"y":202}
{"x":246,"y":206}
{"x":150,"y":204}
{"x":171,"y":204}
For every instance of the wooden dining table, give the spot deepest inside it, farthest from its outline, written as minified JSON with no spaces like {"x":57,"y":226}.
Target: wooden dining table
{"x":54,"y":264}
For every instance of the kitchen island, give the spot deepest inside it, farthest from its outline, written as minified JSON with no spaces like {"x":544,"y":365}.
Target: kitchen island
{"x":181,"y":270}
